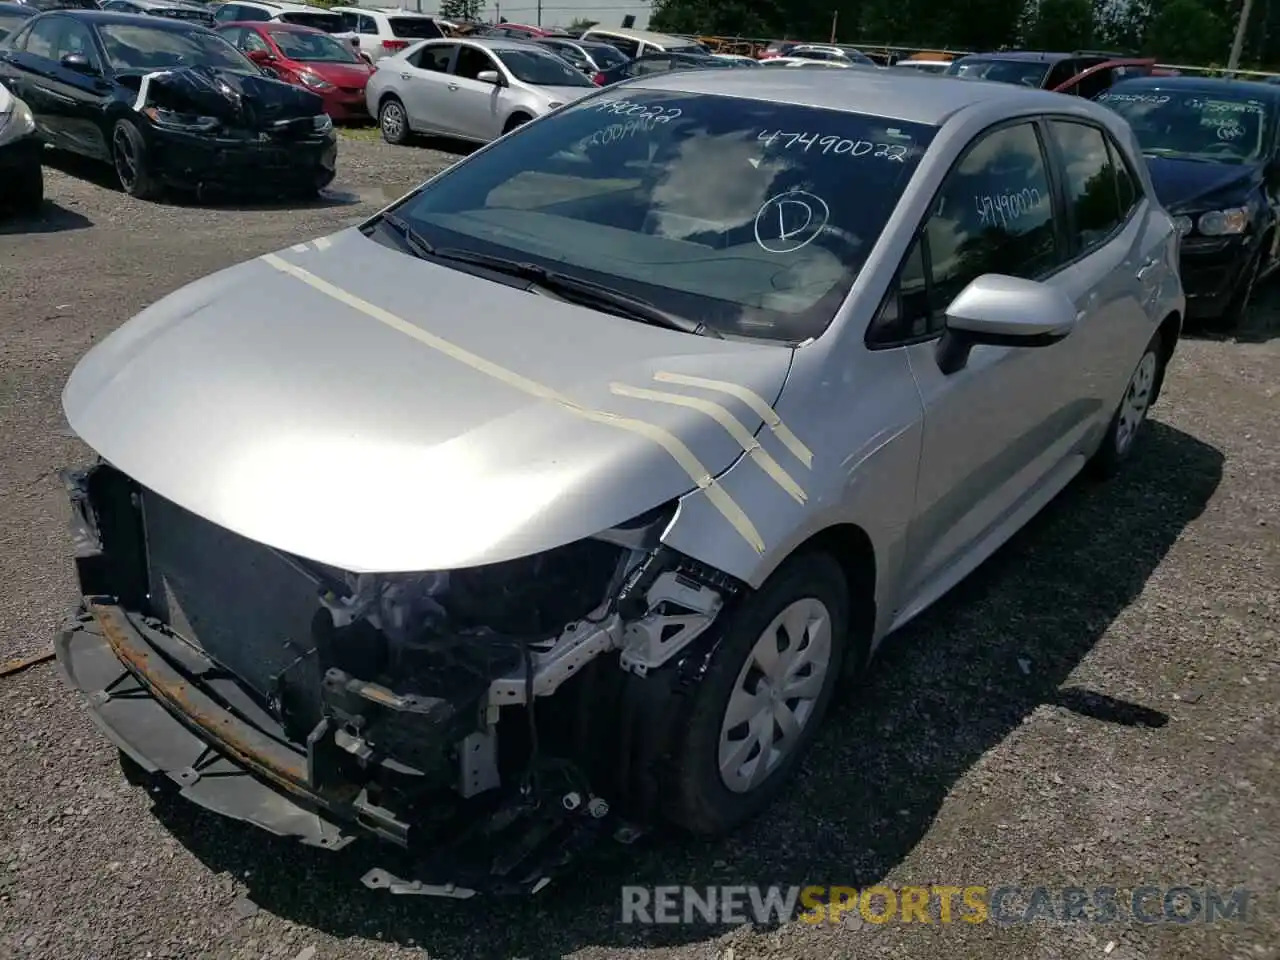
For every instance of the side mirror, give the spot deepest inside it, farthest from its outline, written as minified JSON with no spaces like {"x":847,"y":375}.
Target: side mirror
{"x":489,"y":76}
{"x":261,"y":57}
{"x":1005,"y":312}
{"x":78,"y":63}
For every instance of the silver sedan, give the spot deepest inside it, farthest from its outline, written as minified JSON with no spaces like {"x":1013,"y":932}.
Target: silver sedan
{"x":475,"y":89}
{"x":661,"y":413}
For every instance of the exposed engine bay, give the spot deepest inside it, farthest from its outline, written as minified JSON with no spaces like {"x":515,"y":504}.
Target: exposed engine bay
{"x":487,"y":721}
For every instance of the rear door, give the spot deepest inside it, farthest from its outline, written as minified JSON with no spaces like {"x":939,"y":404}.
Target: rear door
{"x":423,"y":86}
{"x":1117,"y":262}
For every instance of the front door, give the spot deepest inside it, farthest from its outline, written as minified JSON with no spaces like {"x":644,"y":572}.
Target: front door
{"x":991,"y":428}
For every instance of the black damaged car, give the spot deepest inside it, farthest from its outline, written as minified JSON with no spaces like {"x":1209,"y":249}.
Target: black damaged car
{"x":167,"y":104}
{"x":1211,"y":146}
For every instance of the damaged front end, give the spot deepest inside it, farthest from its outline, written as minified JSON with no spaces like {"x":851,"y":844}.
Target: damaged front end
{"x":487,"y":722}
{"x":211,"y":128}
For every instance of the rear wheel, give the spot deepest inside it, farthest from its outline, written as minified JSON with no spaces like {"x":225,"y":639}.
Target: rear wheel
{"x":393,"y":121}
{"x":1132,"y":412}
{"x":132,"y":162}
{"x":760,"y":702}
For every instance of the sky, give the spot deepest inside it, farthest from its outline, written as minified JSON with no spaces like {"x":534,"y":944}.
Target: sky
{"x":554,"y":12}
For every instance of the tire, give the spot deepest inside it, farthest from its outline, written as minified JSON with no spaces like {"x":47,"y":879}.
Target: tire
{"x":1131,"y":414}
{"x":130,"y":156}
{"x":1233,"y":316}
{"x":706,"y":801}
{"x":393,"y":121}
{"x":24,"y":195}
{"x":519,"y":120}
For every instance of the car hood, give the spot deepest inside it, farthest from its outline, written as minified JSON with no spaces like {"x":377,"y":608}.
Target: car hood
{"x":347,"y":403}
{"x":1190,"y":185}
{"x":340,"y":74}
{"x":242,"y":99}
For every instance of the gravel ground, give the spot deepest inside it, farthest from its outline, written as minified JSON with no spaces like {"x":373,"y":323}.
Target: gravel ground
{"x":1096,"y":706}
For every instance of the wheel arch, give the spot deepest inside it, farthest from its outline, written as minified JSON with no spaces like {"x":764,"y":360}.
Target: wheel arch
{"x":1170,"y":331}
{"x":518,"y":116}
{"x":852,"y":548}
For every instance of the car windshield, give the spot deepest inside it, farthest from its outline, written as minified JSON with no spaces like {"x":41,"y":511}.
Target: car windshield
{"x":133,"y":46}
{"x":751,"y":216}
{"x":1231,"y":127}
{"x":328,"y":22}
{"x":605,"y":56}
{"x":541,"y":69}
{"x":1029,"y":73}
{"x":313,"y":47}
{"x":418,"y":28}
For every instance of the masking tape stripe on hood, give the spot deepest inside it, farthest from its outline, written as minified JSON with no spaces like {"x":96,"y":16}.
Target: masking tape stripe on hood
{"x":752,"y":400}
{"x":685,"y":457}
{"x":750,"y":445}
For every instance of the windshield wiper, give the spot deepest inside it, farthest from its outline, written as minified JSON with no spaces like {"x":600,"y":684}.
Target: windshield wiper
{"x":580,"y":291}
{"x":411,"y":238}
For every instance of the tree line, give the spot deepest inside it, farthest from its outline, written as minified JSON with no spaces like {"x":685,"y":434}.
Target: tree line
{"x":1196,"y":32}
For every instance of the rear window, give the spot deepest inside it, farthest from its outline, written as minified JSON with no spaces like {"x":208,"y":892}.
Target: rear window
{"x":419,"y":28}
{"x":750,"y":216}
{"x":1024,"y":72}
{"x":328,"y":22}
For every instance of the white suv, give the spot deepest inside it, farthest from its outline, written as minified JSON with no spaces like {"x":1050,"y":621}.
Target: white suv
{"x":381,"y":33}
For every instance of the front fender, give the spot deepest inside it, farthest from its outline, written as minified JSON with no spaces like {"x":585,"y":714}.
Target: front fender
{"x":861,"y":422}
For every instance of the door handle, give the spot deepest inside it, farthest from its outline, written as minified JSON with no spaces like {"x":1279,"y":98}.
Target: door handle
{"x":453,"y":86}
{"x":1148,"y":267}
{"x":404,"y":76}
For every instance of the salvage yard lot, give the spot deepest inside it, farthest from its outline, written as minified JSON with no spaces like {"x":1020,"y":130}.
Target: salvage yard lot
{"x":1097,"y":706}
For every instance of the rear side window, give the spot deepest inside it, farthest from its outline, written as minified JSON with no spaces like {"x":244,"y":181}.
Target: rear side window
{"x":9,"y":23}
{"x":1126,"y":181}
{"x":416,"y":28}
{"x":435,"y":57}
{"x":252,"y":14}
{"x":1090,"y":176}
{"x":328,"y":22}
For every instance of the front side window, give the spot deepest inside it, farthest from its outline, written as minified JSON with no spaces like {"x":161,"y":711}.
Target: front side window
{"x":753,"y":217}
{"x":994,"y":215}
{"x":473,"y":62}
{"x":42,"y":41}
{"x":657,"y":63}
{"x":252,"y":42}
{"x":1061,"y":72}
{"x":228,"y":13}
{"x":132,"y":48}
{"x":628,"y":48}
{"x":77,"y":41}
{"x":1091,"y":185}
{"x":1187,"y":123}
{"x":541,"y":69}
{"x":313,"y":47}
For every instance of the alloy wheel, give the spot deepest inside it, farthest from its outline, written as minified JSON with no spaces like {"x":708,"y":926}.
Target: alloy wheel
{"x":775,"y":694}
{"x":392,"y":121}
{"x":1136,"y":402}
{"x":125,"y":158}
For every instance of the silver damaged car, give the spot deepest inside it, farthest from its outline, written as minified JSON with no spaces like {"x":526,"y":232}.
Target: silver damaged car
{"x":558,"y":499}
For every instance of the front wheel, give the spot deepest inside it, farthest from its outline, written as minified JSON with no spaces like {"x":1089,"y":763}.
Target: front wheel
{"x":761,"y":700}
{"x":132,"y":161}
{"x":1129,"y":417}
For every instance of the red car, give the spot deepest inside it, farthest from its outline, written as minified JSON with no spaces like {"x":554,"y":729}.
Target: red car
{"x":308,"y":58}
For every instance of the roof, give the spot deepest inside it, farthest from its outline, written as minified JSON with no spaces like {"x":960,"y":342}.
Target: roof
{"x":271,"y":26}
{"x":283,"y":7}
{"x":22,"y":8}
{"x":102,"y":18}
{"x":1208,"y":85}
{"x":911,"y":96}
{"x":492,"y":43}
{"x":385,"y":11}
{"x":1036,"y":56}
{"x":644,"y":36}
